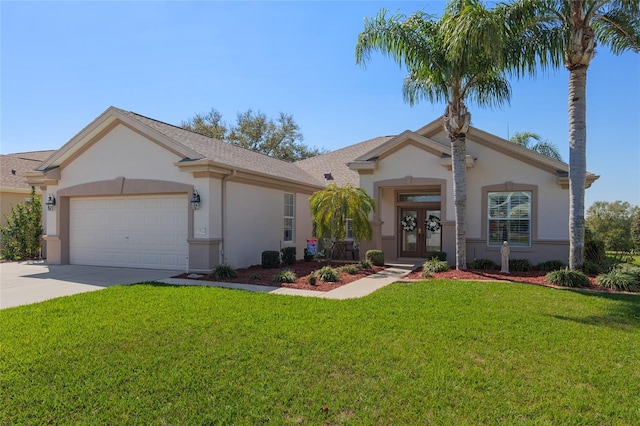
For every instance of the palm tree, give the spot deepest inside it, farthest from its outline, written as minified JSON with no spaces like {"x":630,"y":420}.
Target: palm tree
{"x":540,"y":146}
{"x":562,"y":31}
{"x":334,"y":205}
{"x":444,"y":66}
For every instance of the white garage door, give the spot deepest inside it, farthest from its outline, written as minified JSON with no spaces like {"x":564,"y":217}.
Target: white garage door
{"x":134,"y":232}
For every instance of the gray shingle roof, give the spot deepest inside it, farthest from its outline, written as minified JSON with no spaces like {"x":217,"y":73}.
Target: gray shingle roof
{"x":226,"y":153}
{"x":21,"y":162}
{"x":335,"y":162}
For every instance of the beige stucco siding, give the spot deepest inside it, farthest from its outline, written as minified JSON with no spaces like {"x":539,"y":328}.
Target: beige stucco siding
{"x":123,"y":152}
{"x":255,"y":223}
{"x":494,"y":168}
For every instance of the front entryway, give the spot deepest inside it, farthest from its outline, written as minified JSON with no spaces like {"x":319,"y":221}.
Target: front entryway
{"x":420,"y":232}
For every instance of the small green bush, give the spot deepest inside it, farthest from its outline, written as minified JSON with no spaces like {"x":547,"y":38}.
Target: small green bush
{"x":285,"y":276}
{"x":308,"y":257}
{"x":440,"y":255}
{"x":365,"y":264}
{"x":350,"y":269}
{"x":224,"y":270}
{"x":550,"y":265}
{"x":426,"y":274}
{"x":311,"y":279}
{"x":619,"y":280}
{"x":288,"y":255}
{"x":520,"y":265}
{"x":22,"y":235}
{"x":591,"y":268}
{"x":328,"y":274}
{"x":594,"y":249}
{"x":483,"y":264}
{"x":270,"y":259}
{"x":435,"y":265}
{"x":567,"y":278}
{"x":376,"y":257}
{"x":255,"y":277}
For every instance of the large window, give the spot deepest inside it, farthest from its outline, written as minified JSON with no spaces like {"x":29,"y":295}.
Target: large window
{"x":509,"y":218}
{"x":289,"y":216}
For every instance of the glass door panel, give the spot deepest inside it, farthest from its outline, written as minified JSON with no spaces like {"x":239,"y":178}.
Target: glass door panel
{"x":409,"y":232}
{"x":433,"y":231}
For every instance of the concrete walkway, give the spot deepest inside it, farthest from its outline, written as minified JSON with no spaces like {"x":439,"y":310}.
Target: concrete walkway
{"x":22,"y":283}
{"x":355,"y":289}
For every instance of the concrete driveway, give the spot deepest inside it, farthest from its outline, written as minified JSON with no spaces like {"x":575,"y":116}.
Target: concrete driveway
{"x":22,"y":283}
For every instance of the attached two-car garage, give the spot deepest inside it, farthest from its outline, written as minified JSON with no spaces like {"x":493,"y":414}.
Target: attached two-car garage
{"x":147,"y":231}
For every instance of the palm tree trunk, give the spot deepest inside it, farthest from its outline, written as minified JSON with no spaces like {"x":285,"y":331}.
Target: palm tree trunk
{"x":459,"y":168}
{"x":577,"y":163}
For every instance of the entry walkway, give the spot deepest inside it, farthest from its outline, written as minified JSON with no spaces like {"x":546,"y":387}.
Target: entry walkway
{"x":355,"y":289}
{"x":22,"y":283}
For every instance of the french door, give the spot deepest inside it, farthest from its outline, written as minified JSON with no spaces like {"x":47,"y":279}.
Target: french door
{"x":420,"y":232}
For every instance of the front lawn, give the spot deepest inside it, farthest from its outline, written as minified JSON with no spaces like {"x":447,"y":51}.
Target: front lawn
{"x":436,"y":352}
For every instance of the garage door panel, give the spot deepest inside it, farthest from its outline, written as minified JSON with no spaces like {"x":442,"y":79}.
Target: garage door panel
{"x":142,"y":232}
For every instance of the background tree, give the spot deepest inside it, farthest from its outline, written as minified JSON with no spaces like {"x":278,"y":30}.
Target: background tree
{"x":280,"y":138}
{"x":561,"y":31}
{"x":613,"y":223}
{"x":635,"y":233}
{"x":22,"y":235}
{"x":539,"y":145}
{"x":453,"y":59}
{"x":332,"y":206}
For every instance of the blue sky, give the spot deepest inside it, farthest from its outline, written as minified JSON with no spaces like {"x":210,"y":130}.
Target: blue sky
{"x":64,"y":63}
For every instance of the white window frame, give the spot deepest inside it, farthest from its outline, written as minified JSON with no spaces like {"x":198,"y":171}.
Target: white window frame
{"x":289,"y":217}
{"x":348,"y":233}
{"x":511,"y":215}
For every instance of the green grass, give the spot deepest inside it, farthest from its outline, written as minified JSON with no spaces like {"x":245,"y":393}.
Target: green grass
{"x":436,"y":352}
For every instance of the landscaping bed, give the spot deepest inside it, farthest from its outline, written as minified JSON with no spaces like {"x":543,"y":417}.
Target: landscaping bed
{"x":530,"y":277}
{"x":258,"y":275}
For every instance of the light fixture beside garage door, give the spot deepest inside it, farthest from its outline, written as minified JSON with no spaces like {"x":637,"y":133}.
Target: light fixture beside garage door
{"x":195,"y":200}
{"x":51,"y":202}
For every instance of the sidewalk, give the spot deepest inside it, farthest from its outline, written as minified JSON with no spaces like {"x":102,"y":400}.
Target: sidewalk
{"x":359,"y":288}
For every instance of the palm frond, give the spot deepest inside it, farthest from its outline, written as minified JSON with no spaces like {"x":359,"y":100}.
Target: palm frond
{"x":619,"y":29}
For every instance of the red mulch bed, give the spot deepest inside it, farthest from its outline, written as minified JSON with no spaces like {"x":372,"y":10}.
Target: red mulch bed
{"x":258,"y":275}
{"x":531,"y":277}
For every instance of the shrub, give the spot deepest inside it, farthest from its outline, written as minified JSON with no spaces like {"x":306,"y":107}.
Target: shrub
{"x":224,"y":270}
{"x":288,"y":255}
{"x":435,"y":265}
{"x":350,"y":269}
{"x":550,"y":265}
{"x":365,"y":264}
{"x":308,"y":257}
{"x":483,"y":264}
{"x":270,"y":259}
{"x":567,"y":278}
{"x":520,"y":265}
{"x":593,"y":247}
{"x":328,"y":274}
{"x":311,"y":279}
{"x":440,"y":255}
{"x":426,"y":274}
{"x":255,"y":277}
{"x":285,"y":276}
{"x":619,"y":279}
{"x":22,"y":235}
{"x":592,"y":268}
{"x":376,"y":257}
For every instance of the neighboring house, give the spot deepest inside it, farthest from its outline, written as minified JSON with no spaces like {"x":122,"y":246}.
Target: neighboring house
{"x":13,"y":187}
{"x":124,"y":186}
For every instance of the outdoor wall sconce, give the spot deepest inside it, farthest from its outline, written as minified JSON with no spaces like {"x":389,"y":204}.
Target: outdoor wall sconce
{"x":51,"y":202}
{"x":195,"y":200}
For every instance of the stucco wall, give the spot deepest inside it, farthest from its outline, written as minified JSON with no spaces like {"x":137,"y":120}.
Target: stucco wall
{"x":492,"y":170}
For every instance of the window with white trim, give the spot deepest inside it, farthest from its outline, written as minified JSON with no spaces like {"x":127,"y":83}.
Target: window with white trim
{"x":509,"y":218}
{"x":349,"y":231}
{"x":289,"y":216}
